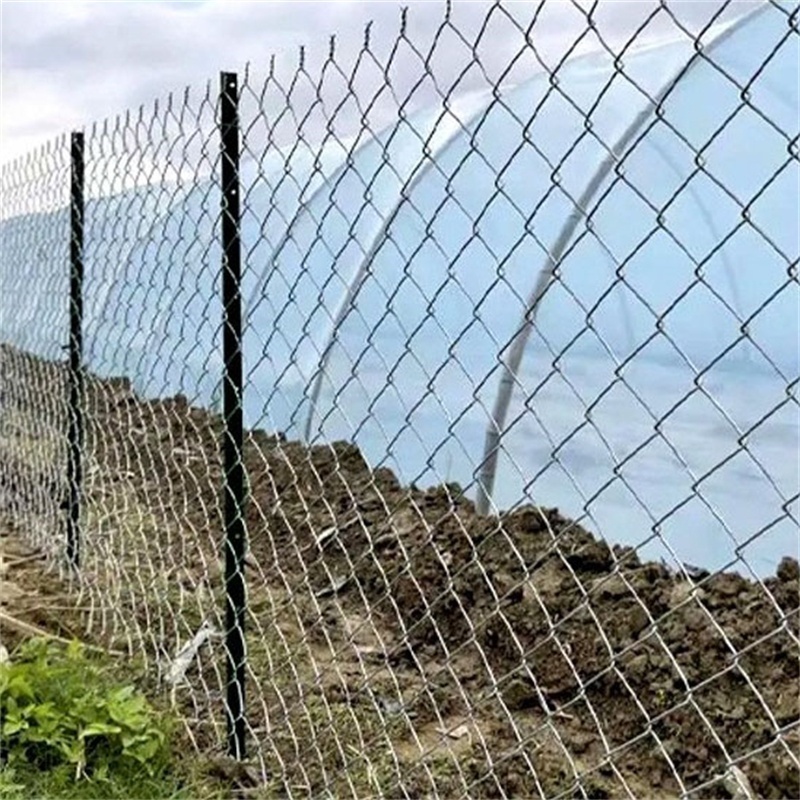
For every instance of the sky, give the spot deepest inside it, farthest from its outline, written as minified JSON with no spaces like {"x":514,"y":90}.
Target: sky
{"x":66,"y":64}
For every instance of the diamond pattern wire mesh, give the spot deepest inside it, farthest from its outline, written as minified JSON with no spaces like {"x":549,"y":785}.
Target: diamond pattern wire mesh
{"x":33,"y":418}
{"x":419,"y":622}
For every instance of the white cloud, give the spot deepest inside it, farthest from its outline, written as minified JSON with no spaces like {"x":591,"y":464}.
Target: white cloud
{"x":65,"y":64}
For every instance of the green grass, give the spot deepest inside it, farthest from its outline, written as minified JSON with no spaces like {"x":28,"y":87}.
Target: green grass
{"x":72,"y":728}
{"x":20,"y":783}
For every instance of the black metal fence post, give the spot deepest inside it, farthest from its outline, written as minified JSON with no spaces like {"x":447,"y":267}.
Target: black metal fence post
{"x":75,"y":346}
{"x":232,"y":413}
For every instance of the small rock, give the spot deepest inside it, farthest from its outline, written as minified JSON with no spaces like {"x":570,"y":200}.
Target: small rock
{"x":595,"y":557}
{"x":613,"y":587}
{"x":626,"y":556}
{"x":9,"y":592}
{"x":636,"y":620}
{"x":518,"y":694}
{"x":458,"y":732}
{"x":682,"y":591}
{"x":737,"y":784}
{"x":788,"y":570}
{"x":694,"y":572}
{"x":695,"y":618}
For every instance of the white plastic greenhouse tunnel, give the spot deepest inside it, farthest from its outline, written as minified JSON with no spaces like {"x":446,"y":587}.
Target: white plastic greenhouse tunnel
{"x":583,"y":297}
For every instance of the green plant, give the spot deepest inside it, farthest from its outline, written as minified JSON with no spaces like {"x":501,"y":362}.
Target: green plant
{"x":60,"y":708}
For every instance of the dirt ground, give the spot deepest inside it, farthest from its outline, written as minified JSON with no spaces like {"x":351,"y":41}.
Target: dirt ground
{"x":399,"y":643}
{"x":31,"y":600}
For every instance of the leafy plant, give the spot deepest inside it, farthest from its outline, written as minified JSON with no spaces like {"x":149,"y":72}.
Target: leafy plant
{"x":58,"y":707}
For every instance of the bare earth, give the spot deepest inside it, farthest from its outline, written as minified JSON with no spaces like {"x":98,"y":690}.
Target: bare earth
{"x":451,"y":653}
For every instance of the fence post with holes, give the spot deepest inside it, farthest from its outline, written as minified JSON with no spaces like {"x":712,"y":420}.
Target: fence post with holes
{"x":234,"y":484}
{"x":75,"y":347}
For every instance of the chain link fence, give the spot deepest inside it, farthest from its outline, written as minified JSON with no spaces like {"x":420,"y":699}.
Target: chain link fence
{"x":427,"y":424}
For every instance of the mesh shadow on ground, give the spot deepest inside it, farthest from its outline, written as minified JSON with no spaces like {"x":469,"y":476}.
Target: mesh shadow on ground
{"x":401,"y":644}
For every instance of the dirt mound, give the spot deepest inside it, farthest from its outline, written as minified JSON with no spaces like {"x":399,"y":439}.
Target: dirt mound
{"x":499,"y":656}
{"x":529,"y":619}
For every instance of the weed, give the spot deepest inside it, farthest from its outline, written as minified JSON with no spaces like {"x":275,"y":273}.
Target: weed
{"x":70,"y":730}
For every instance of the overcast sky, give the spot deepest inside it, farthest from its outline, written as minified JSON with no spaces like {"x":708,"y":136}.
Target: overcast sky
{"x":66,"y":64}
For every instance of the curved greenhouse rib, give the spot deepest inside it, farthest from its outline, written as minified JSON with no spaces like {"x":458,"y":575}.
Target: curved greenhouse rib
{"x":302,"y":205}
{"x":377,"y":240}
{"x":494,"y":430}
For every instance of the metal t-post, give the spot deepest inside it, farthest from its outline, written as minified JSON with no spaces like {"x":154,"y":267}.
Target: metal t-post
{"x":75,"y":347}
{"x":234,"y":484}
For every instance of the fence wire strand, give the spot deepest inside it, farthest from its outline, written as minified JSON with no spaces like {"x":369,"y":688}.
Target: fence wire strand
{"x":521,"y":435}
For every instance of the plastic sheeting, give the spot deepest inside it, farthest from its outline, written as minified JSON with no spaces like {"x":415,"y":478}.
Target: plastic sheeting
{"x":387,"y":276}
